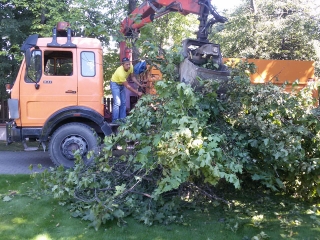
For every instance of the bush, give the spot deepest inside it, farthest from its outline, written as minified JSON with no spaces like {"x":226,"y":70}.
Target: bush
{"x":186,"y":142}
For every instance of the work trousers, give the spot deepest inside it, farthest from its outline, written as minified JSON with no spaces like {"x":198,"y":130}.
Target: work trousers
{"x":119,"y":101}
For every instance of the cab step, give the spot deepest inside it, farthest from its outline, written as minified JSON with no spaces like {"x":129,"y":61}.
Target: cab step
{"x":30,"y":149}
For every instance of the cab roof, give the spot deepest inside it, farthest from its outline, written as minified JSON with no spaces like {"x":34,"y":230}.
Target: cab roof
{"x":79,"y":41}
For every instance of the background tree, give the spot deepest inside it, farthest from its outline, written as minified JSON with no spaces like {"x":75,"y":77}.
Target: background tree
{"x":14,"y":28}
{"x":168,"y":31}
{"x":21,"y":18}
{"x":271,"y":30}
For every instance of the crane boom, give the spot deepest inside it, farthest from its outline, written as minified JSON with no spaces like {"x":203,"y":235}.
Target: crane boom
{"x":153,"y":9}
{"x":150,"y":10}
{"x":197,"y":52}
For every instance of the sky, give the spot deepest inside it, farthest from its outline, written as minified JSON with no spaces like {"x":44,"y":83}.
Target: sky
{"x":225,"y":4}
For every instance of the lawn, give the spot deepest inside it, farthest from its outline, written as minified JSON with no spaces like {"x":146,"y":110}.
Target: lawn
{"x":26,"y":214}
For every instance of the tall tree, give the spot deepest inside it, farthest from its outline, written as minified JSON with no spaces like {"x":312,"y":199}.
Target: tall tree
{"x":167,"y":31}
{"x":20,"y":18}
{"x":271,"y":30}
{"x":14,"y":28}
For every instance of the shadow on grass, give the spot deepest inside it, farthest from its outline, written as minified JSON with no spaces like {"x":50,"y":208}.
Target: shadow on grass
{"x":26,"y":214}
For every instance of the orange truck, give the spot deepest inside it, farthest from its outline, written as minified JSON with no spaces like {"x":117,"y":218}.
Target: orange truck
{"x":58,"y":98}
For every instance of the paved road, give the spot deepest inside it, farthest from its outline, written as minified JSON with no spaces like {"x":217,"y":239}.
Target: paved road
{"x":19,"y":162}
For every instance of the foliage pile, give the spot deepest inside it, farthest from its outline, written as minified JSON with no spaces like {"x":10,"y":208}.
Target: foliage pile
{"x":186,"y":142}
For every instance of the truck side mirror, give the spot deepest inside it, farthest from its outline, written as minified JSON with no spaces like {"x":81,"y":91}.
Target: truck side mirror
{"x":34,"y":66}
{"x":28,"y":56}
{"x":8,"y":87}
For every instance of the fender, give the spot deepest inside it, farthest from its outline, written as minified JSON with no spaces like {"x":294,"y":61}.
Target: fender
{"x":74,"y":112}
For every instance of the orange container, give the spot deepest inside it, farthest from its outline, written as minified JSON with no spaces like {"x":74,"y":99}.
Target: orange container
{"x":275,"y":71}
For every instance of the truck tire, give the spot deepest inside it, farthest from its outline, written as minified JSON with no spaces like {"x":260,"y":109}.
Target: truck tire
{"x":69,"y":138}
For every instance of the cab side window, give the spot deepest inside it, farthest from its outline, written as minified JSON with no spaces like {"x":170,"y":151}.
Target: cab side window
{"x":58,"y":63}
{"x":88,"y":65}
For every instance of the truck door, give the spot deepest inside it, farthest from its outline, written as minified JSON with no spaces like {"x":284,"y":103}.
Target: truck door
{"x":90,"y":79}
{"x":57,"y":87}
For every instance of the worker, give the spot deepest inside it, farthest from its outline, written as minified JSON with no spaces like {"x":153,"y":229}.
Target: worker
{"x":118,"y":84}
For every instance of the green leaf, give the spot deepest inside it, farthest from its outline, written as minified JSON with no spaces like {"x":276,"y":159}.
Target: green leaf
{"x":156,"y":139}
{"x":145,"y":150}
{"x":141,"y":158}
{"x":256,"y":177}
{"x":280,"y":183}
{"x":120,"y":189}
{"x":277,"y":155}
{"x":7,"y":199}
{"x":118,"y":213}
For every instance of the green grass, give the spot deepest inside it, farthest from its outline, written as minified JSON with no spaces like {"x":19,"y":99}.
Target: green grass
{"x":16,"y":146}
{"x":23,"y":217}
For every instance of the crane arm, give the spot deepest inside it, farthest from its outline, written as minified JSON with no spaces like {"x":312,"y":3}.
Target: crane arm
{"x":195,"y":51}
{"x":153,"y":9}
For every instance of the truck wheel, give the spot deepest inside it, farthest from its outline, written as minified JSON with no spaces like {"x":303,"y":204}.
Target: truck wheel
{"x":69,"y":138}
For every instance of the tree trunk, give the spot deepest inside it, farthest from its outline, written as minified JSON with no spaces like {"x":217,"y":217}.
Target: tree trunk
{"x":253,"y":7}
{"x":135,"y":51}
{"x":132,"y":5}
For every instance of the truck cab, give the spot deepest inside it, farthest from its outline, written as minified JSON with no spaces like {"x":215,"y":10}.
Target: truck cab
{"x":58,"y":96}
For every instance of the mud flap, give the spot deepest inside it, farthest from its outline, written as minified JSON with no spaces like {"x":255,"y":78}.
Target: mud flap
{"x":13,"y":105}
{"x":106,"y":129}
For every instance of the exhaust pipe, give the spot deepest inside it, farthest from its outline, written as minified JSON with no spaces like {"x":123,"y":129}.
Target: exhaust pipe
{"x":64,"y":30}
{"x":69,"y":44}
{"x":54,"y":42}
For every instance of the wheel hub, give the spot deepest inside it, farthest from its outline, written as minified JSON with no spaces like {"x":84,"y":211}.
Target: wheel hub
{"x":71,"y":144}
